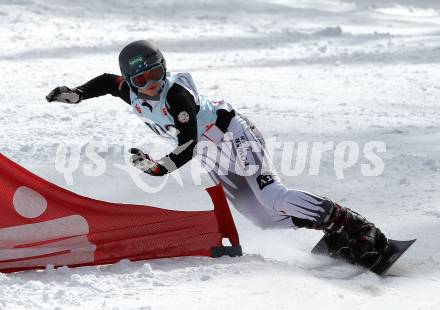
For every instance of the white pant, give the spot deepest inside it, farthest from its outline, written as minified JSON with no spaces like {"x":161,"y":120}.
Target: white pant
{"x":251,"y":185}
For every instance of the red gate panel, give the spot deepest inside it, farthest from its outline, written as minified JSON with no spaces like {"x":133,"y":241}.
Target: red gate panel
{"x":41,"y":224}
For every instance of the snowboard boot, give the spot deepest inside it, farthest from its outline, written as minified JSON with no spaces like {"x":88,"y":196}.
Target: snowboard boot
{"x":337,"y":245}
{"x":350,"y":236}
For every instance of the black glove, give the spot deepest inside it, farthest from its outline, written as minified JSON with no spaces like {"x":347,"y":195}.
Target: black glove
{"x":65,"y":94}
{"x":143,"y":162}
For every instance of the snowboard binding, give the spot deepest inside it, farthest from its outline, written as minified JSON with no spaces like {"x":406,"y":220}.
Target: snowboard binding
{"x":350,"y":237}
{"x":338,"y":245}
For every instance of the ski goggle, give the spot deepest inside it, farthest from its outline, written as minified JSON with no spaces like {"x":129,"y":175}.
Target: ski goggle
{"x":150,"y":76}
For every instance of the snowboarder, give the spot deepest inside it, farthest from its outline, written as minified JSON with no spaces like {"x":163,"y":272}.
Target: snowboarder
{"x":172,"y":107}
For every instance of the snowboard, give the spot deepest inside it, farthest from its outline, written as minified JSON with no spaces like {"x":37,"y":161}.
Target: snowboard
{"x":393,"y":252}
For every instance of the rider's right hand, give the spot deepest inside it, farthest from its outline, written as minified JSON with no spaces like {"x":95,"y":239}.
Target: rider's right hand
{"x":64,"y":94}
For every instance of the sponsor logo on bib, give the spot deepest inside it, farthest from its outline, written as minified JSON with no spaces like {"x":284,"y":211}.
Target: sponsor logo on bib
{"x":138,"y":108}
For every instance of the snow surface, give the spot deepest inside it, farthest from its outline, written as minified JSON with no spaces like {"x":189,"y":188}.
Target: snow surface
{"x":321,"y":70}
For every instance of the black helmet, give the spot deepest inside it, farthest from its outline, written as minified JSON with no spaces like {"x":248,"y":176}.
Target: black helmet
{"x":139,"y":56}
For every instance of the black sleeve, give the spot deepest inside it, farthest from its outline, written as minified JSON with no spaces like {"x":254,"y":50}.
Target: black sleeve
{"x":106,"y":84}
{"x":183,"y":109}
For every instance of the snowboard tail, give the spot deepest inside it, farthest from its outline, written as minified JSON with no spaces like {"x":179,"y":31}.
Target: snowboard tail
{"x":385,"y":261}
{"x":395,"y":249}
